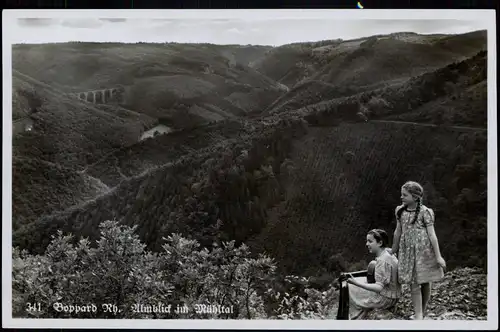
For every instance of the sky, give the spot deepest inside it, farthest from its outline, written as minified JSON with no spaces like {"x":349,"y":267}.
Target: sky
{"x":242,"y":31}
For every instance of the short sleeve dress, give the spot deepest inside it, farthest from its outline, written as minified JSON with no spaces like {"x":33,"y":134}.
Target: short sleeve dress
{"x":362,"y":300}
{"x":417,"y":261}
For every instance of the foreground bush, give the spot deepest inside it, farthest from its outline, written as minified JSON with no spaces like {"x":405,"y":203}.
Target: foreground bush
{"x":116,"y":274}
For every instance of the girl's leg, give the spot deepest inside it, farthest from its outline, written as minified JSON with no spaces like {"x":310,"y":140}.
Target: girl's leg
{"x":426,"y":295}
{"x":416,"y":299}
{"x":359,"y":315}
{"x":363,"y":315}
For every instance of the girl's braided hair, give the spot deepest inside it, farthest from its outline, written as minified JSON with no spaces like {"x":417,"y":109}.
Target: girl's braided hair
{"x":417,"y":192}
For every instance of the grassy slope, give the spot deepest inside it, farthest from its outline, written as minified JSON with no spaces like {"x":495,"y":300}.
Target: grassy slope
{"x":455,"y":94}
{"x":72,"y":133}
{"x":290,"y":63}
{"x":22,"y":105}
{"x":456,"y":91}
{"x":363,"y":65}
{"x":159,"y":78}
{"x":244,"y":55}
{"x":465,"y":106}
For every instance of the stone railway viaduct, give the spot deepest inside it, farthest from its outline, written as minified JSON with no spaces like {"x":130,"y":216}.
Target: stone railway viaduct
{"x":101,"y":96}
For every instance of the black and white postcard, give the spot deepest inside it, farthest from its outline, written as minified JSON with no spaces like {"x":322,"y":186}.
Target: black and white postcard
{"x":321,"y":169}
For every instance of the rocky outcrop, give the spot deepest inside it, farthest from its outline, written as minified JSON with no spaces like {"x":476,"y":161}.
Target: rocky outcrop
{"x":461,"y":295}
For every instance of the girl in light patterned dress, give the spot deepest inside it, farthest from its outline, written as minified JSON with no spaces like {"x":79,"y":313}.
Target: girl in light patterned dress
{"x":416,"y":244}
{"x":385,"y":292}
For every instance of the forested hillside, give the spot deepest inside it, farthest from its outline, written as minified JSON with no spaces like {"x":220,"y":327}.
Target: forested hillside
{"x":265,"y":157}
{"x":161,"y":86}
{"x":65,"y":137}
{"x":452,"y":95}
{"x":347,"y":180}
{"x":43,"y":187}
{"x":350,"y":67}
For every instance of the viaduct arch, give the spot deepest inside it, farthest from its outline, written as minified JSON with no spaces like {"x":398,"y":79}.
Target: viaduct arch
{"x":101,"y":96}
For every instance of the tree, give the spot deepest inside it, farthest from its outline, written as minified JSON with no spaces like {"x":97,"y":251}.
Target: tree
{"x":116,"y":272}
{"x":377,"y":105}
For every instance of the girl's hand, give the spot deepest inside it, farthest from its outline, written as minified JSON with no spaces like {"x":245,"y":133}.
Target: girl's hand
{"x":395,"y":254}
{"x":351,"y":280}
{"x":441,"y":263}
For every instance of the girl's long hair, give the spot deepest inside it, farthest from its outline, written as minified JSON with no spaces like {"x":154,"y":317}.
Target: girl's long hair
{"x":417,"y":192}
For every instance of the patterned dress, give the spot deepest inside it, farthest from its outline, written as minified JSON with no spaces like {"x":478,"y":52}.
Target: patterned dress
{"x":386,"y":274}
{"x":417,"y":261}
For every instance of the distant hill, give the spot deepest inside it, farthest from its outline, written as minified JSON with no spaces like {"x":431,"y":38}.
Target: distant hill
{"x":184,"y":84}
{"x":244,"y":54}
{"x":452,"y":95}
{"x":345,"y":68}
{"x":292,"y":63}
{"x":69,"y":132}
{"x":466,"y":106}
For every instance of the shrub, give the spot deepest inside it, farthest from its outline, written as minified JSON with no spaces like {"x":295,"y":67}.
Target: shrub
{"x":116,"y":273}
{"x":377,"y":104}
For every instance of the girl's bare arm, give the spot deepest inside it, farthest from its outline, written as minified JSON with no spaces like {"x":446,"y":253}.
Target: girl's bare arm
{"x":396,"y":238}
{"x":377,"y":288}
